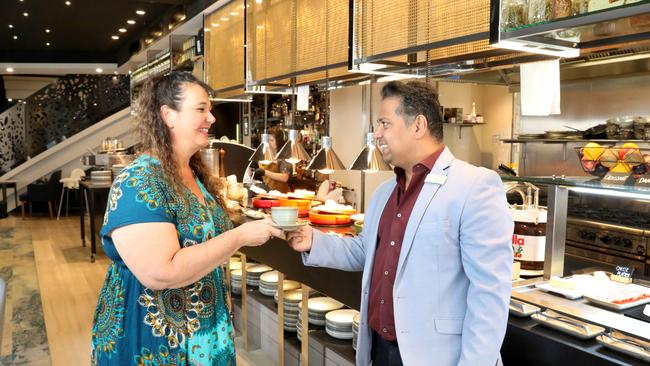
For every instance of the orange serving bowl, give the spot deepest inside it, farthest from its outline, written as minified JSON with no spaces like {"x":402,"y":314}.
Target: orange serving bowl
{"x":303,"y":205}
{"x":259,"y":202}
{"x":317,"y":218}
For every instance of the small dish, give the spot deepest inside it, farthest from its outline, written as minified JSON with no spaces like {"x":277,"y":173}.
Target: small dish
{"x":256,"y":215}
{"x":522,"y":309}
{"x":292,"y":227}
{"x":569,"y":294}
{"x":567,"y":324}
{"x":624,"y":344}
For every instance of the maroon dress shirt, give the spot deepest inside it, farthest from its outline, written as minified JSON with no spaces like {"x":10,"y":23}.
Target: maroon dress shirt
{"x":392,"y":227}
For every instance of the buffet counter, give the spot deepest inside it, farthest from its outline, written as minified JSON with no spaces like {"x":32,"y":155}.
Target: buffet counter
{"x":526,"y":341}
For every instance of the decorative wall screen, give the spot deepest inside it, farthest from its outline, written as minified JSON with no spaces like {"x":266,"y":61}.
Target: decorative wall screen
{"x":224,"y":49}
{"x":297,"y":38}
{"x":405,"y":32}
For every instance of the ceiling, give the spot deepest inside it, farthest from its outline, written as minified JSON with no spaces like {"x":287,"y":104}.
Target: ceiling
{"x":79,"y":33}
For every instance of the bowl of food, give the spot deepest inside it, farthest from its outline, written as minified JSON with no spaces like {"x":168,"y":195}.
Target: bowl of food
{"x":597,"y":160}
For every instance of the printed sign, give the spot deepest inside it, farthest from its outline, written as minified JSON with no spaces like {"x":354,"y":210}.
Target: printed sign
{"x":615,"y":178}
{"x":643,"y":181}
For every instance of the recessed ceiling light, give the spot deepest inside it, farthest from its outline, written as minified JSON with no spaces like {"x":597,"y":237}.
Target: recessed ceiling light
{"x":122,"y":30}
{"x":99,"y":70}
{"x":130,"y":21}
{"x":258,"y":1}
{"x":47,"y":30}
{"x":15,"y":37}
{"x":234,"y":13}
{"x":47,"y":43}
{"x":9,"y":100}
{"x":140,"y":12}
{"x":115,"y":72}
{"x":68,"y":3}
{"x":206,"y":29}
{"x":115,"y":37}
{"x":130,"y":72}
{"x":215,"y":24}
{"x":11,"y":25}
{"x":10,"y":69}
{"x":25,"y":14}
{"x":243,"y":7}
{"x":225,"y":19}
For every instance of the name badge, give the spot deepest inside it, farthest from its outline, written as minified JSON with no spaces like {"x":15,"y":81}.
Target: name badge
{"x":436,"y":179}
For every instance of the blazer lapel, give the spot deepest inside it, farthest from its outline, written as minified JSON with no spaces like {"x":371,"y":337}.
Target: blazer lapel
{"x":429,"y":190}
{"x":374,"y":217}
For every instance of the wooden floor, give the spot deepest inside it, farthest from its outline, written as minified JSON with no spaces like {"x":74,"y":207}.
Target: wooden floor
{"x":69,"y":285}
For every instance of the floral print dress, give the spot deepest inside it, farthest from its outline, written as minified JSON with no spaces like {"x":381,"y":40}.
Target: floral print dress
{"x":134,"y":325}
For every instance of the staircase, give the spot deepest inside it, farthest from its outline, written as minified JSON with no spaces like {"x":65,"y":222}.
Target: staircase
{"x":66,"y":155}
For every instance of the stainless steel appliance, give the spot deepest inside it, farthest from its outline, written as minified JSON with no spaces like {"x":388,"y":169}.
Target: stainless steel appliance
{"x":608,"y":244}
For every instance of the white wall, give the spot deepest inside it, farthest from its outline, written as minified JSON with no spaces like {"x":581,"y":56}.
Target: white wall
{"x":21,"y":87}
{"x":349,"y":125}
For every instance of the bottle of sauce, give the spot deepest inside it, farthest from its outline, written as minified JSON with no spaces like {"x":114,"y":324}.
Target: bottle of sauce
{"x":529,"y":238}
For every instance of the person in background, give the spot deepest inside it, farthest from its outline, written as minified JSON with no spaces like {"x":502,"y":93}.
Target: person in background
{"x":435,"y":250}
{"x":276,"y":174}
{"x":166,"y":232}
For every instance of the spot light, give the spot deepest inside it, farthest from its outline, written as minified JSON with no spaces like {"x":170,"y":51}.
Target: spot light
{"x":25,"y":14}
{"x":99,"y":70}
{"x":10,"y":69}
{"x":140,"y":12}
{"x":68,"y":3}
{"x":130,"y":21}
{"x":122,"y":30}
{"x":115,"y":37}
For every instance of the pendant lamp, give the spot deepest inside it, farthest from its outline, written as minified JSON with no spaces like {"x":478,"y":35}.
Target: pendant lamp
{"x":293,"y":151}
{"x":370,"y":159}
{"x":326,"y":161}
{"x":263,"y":152}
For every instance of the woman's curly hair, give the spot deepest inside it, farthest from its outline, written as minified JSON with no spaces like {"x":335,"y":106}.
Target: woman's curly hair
{"x":155,"y":136}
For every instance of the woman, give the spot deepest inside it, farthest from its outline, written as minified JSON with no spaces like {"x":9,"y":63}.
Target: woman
{"x":166,"y":232}
{"x":276,"y":174}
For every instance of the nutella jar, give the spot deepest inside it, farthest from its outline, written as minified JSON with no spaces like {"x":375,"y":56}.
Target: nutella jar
{"x":529,"y":238}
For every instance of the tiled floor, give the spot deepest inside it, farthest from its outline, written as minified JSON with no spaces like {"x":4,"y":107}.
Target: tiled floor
{"x":24,"y":340}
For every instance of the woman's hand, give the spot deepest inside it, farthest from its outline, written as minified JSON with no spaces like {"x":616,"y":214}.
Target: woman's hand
{"x":255,"y":233}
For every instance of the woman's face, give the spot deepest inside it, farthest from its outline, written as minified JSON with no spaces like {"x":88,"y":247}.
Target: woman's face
{"x":193,"y":120}
{"x":272,"y":143}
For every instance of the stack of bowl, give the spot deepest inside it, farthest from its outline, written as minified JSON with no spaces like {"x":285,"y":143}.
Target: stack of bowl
{"x":291,"y":300}
{"x":338,"y":323}
{"x":318,"y":307}
{"x":269,"y":284}
{"x":254,"y":272}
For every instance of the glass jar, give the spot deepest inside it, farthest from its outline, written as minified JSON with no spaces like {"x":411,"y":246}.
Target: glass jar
{"x":579,"y":7}
{"x":540,"y":11}
{"x":562,"y":9}
{"x":514,"y":14}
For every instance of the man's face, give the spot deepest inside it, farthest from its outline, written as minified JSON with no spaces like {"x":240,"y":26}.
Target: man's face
{"x":395,"y":139}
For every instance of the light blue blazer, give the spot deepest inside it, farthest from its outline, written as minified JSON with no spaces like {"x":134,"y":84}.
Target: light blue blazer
{"x":453,"y":279}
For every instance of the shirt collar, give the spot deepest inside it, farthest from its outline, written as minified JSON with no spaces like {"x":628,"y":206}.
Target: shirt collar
{"x":421,"y":168}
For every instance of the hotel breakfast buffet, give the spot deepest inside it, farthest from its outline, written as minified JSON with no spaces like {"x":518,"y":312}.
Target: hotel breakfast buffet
{"x":335,"y":182}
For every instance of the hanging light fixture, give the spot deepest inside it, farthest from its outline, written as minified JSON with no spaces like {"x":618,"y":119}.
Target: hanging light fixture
{"x":326,"y":161}
{"x":293,"y":151}
{"x":263,"y":152}
{"x":370,"y":159}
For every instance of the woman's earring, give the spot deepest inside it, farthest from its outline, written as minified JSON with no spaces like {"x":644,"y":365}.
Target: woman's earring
{"x":171,"y":127}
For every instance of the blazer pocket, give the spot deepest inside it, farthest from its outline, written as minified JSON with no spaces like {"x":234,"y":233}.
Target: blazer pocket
{"x":449,"y":326}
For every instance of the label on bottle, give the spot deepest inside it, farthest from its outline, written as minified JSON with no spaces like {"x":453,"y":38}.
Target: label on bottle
{"x":528,"y":248}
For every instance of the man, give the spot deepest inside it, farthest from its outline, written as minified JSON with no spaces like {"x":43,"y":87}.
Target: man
{"x":435,"y":251}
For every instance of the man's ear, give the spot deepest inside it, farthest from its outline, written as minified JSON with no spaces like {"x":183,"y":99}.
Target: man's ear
{"x":168,"y":115}
{"x":421,"y":126}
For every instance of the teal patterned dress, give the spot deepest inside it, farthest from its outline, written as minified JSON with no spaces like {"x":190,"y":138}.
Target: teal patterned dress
{"x":134,"y":325}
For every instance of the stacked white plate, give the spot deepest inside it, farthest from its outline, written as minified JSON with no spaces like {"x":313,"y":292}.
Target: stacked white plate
{"x":235,"y":280}
{"x":338,"y":323}
{"x":299,"y":327}
{"x":254,"y":272}
{"x":355,"y":330}
{"x":291,"y":300}
{"x":268,"y":284}
{"x":318,"y":307}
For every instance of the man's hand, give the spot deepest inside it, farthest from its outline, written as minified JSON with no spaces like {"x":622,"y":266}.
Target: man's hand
{"x":300,"y":240}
